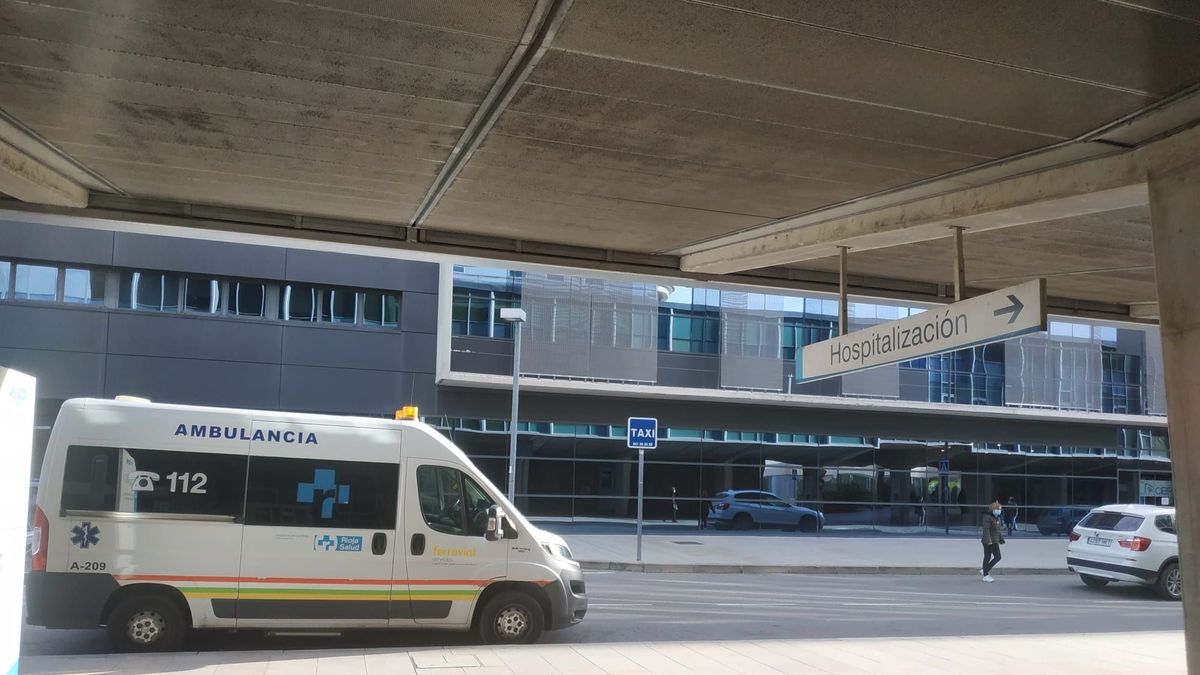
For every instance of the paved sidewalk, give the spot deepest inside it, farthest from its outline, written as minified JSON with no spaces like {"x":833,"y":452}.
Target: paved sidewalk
{"x":1159,"y":653}
{"x":771,"y":553}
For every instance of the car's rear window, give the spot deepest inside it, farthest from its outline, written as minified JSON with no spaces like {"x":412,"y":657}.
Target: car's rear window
{"x":1114,"y":522}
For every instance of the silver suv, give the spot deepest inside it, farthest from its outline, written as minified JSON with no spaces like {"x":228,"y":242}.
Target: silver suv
{"x":744,"y":509}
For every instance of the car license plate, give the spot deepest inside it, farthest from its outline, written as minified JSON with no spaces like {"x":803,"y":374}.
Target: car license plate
{"x":1099,"y":541}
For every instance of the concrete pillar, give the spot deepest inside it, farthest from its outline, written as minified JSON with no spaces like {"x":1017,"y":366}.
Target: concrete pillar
{"x":1175,"y":220}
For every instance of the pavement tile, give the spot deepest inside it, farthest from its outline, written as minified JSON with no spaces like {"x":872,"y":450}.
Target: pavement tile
{"x":566,"y":660}
{"x":613,"y":659}
{"x":444,"y":659}
{"x":388,"y":663}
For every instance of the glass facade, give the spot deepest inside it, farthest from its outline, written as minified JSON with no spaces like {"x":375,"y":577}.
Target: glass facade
{"x":727,"y":338}
{"x":751,"y":339}
{"x":584,"y":472}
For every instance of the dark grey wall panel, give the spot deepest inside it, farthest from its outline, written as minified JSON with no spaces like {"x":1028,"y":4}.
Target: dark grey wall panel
{"x":481,"y":355}
{"x":178,"y":254}
{"x":419,"y":354}
{"x":341,"y":390}
{"x":689,"y":370}
{"x":60,"y":244}
{"x":345,"y":348}
{"x":418,"y":312}
{"x":339,"y":269}
{"x":475,"y":362}
{"x":193,"y":337}
{"x":52,"y":327}
{"x":60,"y":375}
{"x":169,"y":380}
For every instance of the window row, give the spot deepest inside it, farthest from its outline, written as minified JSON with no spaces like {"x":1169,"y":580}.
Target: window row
{"x":154,"y":291}
{"x":271,"y":491}
{"x":45,"y":283}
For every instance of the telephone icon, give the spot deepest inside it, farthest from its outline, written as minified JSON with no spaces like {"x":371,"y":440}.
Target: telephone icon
{"x":143,"y":481}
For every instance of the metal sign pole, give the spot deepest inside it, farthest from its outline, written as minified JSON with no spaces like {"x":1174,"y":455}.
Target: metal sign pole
{"x":641,"y":482}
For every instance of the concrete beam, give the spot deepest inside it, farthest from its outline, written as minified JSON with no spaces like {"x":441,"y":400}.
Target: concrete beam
{"x":1144,"y":311}
{"x":1106,"y":183}
{"x":30,"y":180}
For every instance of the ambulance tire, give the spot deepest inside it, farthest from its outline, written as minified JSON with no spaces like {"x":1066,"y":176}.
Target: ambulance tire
{"x":146,"y":622}
{"x":511,"y":617}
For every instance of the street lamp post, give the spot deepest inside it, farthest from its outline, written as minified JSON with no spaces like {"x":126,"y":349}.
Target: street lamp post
{"x":516,"y":317}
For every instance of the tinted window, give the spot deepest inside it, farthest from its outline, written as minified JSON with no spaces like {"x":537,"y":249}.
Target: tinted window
{"x":35,"y":282}
{"x":90,"y":479}
{"x":138,"y":480}
{"x":451,"y":502}
{"x":340,"y":306}
{"x":5,"y":274}
{"x":201,"y":295}
{"x":1115,"y":522}
{"x":748,"y":497}
{"x":164,"y":481}
{"x":381,"y":309}
{"x":321,"y":493}
{"x":151,"y":291}
{"x":83,"y":287}
{"x":247,"y":298}
{"x":299,"y":303}
{"x":1165,"y":523}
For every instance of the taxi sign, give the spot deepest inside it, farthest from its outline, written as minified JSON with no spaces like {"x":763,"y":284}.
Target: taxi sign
{"x":642,"y":433}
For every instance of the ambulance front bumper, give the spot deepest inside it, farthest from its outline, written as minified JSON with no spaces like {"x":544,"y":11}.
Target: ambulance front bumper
{"x":568,"y":597}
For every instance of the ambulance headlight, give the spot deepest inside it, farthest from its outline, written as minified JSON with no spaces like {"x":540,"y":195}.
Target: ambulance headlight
{"x":558,"y":550}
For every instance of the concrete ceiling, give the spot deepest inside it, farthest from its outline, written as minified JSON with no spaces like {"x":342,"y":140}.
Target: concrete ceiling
{"x":615,"y":125}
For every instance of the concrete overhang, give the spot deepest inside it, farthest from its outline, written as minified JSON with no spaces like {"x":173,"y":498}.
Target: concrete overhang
{"x":614,"y":134}
{"x":34,"y":172}
{"x":1113,"y":182}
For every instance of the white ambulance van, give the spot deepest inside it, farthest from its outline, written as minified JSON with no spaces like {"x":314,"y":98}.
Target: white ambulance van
{"x":156,"y":519}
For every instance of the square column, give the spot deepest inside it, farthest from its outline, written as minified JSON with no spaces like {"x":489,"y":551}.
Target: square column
{"x":1175,"y":221}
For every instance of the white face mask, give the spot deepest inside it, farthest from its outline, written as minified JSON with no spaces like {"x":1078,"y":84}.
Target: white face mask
{"x":996,"y":512}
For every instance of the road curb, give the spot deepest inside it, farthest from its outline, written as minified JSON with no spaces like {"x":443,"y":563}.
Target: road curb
{"x":667,"y":568}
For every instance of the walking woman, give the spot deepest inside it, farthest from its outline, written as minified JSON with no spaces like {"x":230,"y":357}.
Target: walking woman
{"x":992,"y":538}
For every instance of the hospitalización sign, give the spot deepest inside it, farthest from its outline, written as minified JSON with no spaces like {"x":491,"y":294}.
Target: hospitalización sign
{"x":986,"y":318}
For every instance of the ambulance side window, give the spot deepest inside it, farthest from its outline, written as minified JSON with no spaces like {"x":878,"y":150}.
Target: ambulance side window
{"x":142,"y":480}
{"x":451,"y":502}
{"x":90,"y":479}
{"x":294,"y":492}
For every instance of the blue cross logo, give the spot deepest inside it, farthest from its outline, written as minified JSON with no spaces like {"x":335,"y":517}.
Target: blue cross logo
{"x":325,"y":542}
{"x":324,"y":486}
{"x":85,"y":535}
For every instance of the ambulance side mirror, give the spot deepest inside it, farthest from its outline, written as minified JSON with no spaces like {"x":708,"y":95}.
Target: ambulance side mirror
{"x":495,"y":524}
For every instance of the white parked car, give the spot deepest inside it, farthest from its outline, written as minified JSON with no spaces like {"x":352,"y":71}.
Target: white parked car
{"x":1127,"y":542}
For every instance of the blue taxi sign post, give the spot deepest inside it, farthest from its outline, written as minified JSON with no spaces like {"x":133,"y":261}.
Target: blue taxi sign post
{"x":642,"y":433}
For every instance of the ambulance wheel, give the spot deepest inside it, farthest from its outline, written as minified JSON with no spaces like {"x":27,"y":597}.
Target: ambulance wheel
{"x":511,"y":618}
{"x":146,"y":623}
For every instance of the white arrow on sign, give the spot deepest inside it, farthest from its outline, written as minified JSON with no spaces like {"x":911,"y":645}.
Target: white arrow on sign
{"x":986,"y":318}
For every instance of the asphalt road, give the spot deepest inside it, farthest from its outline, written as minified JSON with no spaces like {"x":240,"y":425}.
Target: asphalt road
{"x":630,"y":607}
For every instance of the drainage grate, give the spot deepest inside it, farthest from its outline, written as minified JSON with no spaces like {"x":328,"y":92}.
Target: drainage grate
{"x":687,"y":543}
